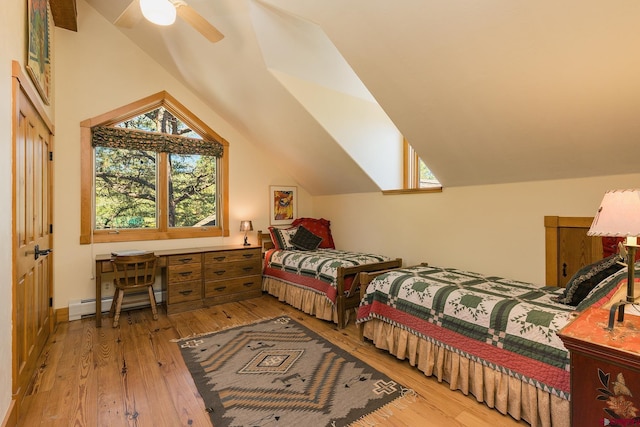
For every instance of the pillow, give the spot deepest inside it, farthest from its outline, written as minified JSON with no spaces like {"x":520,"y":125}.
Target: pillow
{"x":587,"y":278}
{"x":602,"y":293}
{"x":305,"y":240}
{"x":281,"y":237}
{"x":319,"y":227}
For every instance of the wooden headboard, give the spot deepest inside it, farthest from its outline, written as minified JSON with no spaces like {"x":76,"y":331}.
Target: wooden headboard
{"x":264,"y":241}
{"x":568,"y":248}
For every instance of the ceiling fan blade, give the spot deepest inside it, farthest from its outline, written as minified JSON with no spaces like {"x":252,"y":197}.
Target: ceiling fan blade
{"x":130,"y":16}
{"x":196,"y":20}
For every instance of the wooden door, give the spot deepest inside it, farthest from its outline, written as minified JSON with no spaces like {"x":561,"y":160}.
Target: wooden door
{"x":32,"y":201}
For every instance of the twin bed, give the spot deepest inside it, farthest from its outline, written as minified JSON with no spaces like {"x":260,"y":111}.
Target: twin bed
{"x":492,"y":337}
{"x":321,"y":281}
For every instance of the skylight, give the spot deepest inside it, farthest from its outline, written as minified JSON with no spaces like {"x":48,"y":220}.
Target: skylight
{"x":303,"y":59}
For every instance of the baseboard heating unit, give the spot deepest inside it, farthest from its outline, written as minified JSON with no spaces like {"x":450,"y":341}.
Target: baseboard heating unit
{"x":79,"y":309}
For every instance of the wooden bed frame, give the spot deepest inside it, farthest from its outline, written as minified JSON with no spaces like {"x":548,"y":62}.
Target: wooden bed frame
{"x":345,"y":300}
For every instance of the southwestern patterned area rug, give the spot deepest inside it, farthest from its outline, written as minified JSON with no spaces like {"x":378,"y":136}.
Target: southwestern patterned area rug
{"x":279,"y":373}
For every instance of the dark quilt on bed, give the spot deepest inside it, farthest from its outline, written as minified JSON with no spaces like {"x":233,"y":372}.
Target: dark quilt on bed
{"x":505,"y":324}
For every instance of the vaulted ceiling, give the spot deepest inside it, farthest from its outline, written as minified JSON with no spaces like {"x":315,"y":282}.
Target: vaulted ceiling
{"x":489,"y":91}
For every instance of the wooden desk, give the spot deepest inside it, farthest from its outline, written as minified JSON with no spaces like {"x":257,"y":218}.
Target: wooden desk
{"x":199,"y":277}
{"x":605,"y":367}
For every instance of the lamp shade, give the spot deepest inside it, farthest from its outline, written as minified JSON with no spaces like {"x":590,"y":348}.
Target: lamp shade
{"x":618,"y":215}
{"x":160,"y":12}
{"x":246,"y":226}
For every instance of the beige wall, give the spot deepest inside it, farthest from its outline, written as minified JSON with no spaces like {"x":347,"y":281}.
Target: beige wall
{"x":98,"y":70}
{"x":491,"y":229}
{"x":494,"y":229}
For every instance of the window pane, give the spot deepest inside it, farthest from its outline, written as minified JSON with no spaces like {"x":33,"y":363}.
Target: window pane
{"x":192,"y":190}
{"x":125,"y":188}
{"x":427,"y":179}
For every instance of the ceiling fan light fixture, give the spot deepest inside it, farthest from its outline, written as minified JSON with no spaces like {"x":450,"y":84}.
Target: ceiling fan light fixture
{"x":160,"y":12}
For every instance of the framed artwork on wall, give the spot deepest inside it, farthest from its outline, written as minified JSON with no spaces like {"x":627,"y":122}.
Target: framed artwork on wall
{"x":283,"y":202}
{"x":38,"y":50}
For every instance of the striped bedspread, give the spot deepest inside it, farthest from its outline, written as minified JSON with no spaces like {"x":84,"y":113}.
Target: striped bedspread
{"x":505,"y":324}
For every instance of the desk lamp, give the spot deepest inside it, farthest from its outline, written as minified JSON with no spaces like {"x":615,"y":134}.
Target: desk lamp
{"x":246,"y":226}
{"x":619,"y":216}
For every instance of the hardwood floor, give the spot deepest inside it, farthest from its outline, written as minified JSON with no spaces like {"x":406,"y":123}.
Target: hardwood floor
{"x":134,"y":375}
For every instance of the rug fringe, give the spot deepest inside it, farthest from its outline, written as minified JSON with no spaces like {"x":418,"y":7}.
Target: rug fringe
{"x":382,"y":414}
{"x":192,"y":336}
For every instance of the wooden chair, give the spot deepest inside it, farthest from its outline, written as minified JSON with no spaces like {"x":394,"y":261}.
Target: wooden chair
{"x":133,"y":272}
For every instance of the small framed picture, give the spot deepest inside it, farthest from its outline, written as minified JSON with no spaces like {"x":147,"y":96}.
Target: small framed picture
{"x":283,"y":203}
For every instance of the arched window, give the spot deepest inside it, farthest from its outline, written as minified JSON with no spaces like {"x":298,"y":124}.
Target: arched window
{"x":151,"y":170}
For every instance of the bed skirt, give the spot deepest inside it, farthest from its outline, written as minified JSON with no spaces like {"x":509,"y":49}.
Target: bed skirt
{"x":305,"y":300}
{"x":496,"y":389}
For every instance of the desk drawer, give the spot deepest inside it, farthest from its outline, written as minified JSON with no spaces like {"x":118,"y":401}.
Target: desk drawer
{"x":232,"y":286}
{"x":229,"y":256}
{"x":227,"y":270}
{"x":184,"y":259}
{"x":184,"y":291}
{"x":184,"y":273}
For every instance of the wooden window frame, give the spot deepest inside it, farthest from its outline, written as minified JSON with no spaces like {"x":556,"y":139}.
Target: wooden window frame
{"x":411,"y":173}
{"x":88,"y":234}
{"x":410,"y":167}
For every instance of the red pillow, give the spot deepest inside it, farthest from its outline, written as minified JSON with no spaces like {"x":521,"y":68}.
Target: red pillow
{"x":610,"y":246}
{"x":319,"y":227}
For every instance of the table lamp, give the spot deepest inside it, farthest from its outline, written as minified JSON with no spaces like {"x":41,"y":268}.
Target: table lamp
{"x":619,"y":216}
{"x":246,"y":226}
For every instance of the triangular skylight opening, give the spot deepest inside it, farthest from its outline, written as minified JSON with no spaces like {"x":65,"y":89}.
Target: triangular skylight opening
{"x":303,"y":59}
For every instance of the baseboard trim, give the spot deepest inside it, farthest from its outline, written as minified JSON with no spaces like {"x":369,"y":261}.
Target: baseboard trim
{"x":11,"y":417}
{"x":62,"y":315}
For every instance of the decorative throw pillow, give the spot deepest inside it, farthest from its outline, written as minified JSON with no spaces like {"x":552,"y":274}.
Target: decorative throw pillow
{"x":320,"y":227}
{"x":305,"y":240}
{"x":604,"y":289}
{"x":587,"y":278}
{"x":281,"y":237}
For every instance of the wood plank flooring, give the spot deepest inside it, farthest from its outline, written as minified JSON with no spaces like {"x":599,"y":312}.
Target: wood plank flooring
{"x":134,"y":375}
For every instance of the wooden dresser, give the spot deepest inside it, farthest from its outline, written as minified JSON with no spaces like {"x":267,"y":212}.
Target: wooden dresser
{"x":605,"y":369}
{"x":199,"y":277}
{"x":212,"y":276}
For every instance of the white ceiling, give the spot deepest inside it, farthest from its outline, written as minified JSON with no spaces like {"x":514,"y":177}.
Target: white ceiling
{"x":487,"y":91}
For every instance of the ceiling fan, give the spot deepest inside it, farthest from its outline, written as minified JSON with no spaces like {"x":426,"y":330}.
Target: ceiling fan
{"x":163,"y":12}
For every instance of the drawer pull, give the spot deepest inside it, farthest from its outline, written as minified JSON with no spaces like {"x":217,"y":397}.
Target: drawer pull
{"x":247,"y":284}
{"x":219,"y":258}
{"x":220,"y":288}
{"x":220,"y":272}
{"x":185,"y":260}
{"x":185,"y":273}
{"x":248,"y":268}
{"x":248,"y":255}
{"x":186,"y":292}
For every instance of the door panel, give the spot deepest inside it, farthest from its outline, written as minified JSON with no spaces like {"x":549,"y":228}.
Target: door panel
{"x":32,"y":287}
{"x":586,"y":250}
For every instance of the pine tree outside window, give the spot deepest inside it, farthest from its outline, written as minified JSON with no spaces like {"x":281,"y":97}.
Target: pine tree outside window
{"x":155,"y":176}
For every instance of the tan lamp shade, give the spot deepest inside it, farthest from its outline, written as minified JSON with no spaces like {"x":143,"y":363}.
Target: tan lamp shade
{"x":618,"y":215}
{"x":246,"y":226}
